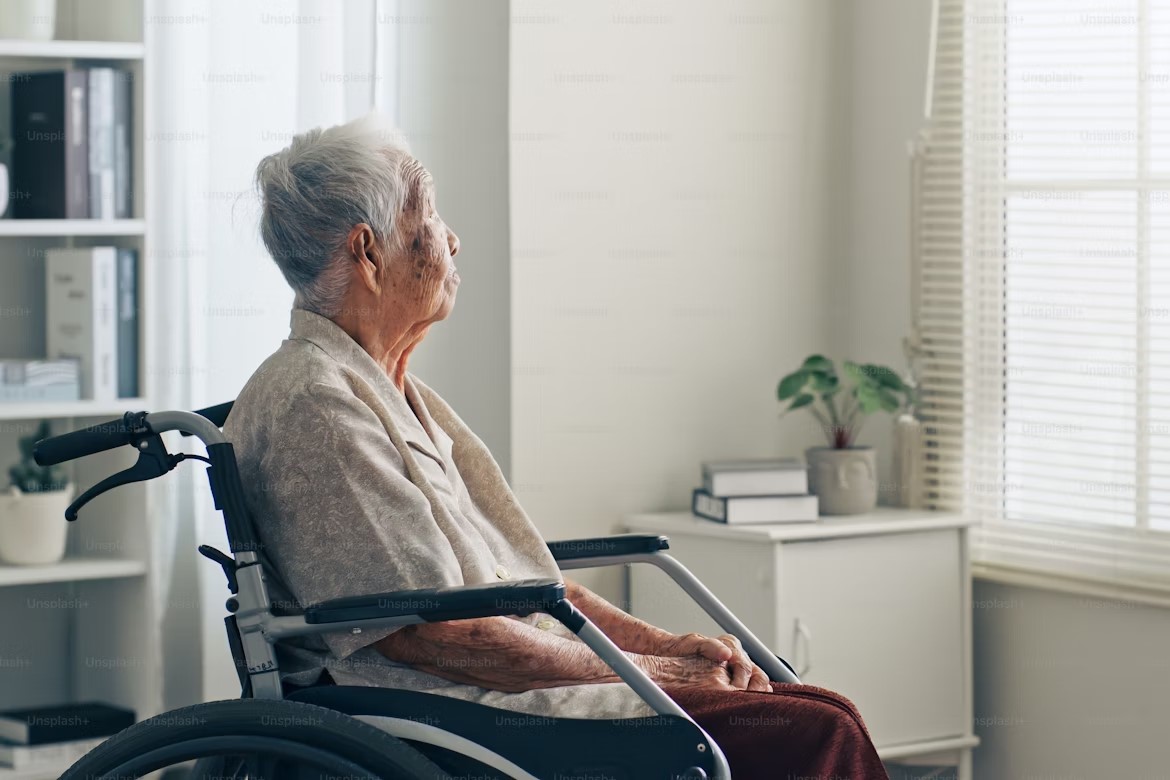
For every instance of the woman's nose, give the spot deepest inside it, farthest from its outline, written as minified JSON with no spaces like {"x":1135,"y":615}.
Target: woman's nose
{"x":452,"y":242}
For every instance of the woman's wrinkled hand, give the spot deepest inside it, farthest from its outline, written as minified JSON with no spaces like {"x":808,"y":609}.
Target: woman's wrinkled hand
{"x":727,"y":650}
{"x":691,"y":671}
{"x":677,"y":645}
{"x":745,"y":675}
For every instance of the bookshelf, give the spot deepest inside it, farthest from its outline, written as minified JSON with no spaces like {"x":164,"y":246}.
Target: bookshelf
{"x":84,"y":628}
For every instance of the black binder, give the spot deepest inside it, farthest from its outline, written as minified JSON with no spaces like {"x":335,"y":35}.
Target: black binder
{"x":50,"y":154}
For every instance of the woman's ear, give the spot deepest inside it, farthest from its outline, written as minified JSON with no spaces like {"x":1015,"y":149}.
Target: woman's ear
{"x":366,"y":255}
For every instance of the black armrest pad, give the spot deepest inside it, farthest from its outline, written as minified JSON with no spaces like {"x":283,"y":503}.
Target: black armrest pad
{"x":518,"y":597}
{"x":622,"y":544}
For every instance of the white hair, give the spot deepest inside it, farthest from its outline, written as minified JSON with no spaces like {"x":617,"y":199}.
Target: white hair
{"x":314,"y":191}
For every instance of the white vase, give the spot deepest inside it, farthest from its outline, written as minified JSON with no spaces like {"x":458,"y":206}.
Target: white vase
{"x":844,"y":481}
{"x":33,"y":526}
{"x":908,"y":462}
{"x":33,"y":20}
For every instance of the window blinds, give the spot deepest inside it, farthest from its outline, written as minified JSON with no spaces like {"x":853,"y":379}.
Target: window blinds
{"x":1042,"y":281}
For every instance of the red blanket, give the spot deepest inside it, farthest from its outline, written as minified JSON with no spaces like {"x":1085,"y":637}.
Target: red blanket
{"x":796,"y":732}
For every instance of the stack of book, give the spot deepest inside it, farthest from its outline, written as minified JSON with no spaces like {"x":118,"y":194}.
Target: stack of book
{"x":91,"y":315}
{"x":40,"y":380}
{"x":50,"y":737}
{"x":71,"y":144}
{"x":755,"y":491}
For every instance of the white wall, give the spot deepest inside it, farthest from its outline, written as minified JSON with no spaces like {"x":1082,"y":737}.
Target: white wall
{"x":669,"y":263}
{"x":1069,"y":686}
{"x":885,"y":46}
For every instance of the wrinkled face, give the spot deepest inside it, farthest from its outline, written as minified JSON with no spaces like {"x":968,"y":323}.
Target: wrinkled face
{"x":425,"y":273}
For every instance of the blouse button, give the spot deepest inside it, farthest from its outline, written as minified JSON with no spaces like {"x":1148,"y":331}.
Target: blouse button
{"x":546,"y":624}
{"x":501,"y":572}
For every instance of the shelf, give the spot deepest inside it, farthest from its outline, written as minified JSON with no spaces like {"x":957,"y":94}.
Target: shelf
{"x":71,"y":570}
{"x":882,"y":520}
{"x":37,"y":773}
{"x":72,"y":227}
{"x":58,"y":409}
{"x":72,"y":50}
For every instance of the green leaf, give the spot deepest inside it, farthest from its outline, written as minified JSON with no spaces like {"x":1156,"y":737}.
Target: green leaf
{"x":819,"y":364}
{"x":889,"y":401}
{"x":791,"y":385}
{"x":856,"y":373}
{"x":825,"y":384}
{"x":804,"y":399}
{"x":886,"y":377}
{"x":868,"y":398}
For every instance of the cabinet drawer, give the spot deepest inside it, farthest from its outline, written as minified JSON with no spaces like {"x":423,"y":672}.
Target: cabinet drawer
{"x":879,"y":619}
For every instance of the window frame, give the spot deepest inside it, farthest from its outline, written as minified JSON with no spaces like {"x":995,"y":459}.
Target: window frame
{"x":1129,"y":561}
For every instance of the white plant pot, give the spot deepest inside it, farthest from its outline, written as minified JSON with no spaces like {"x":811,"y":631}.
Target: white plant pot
{"x":32,"y":20}
{"x":33,"y":526}
{"x":844,"y":481}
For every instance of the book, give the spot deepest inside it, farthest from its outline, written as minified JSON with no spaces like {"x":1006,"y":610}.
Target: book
{"x":744,"y":510}
{"x":101,"y":142}
{"x":123,"y":124}
{"x":63,"y":723}
{"x":755,"y":477}
{"x":50,"y":156}
{"x":39,"y":380}
{"x":80,"y":307}
{"x":49,"y":755}
{"x":127,"y":349}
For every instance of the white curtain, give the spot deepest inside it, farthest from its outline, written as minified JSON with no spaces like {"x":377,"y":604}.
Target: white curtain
{"x":227,"y":83}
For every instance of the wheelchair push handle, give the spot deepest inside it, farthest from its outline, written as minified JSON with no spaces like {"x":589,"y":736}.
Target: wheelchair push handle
{"x":104,"y":436}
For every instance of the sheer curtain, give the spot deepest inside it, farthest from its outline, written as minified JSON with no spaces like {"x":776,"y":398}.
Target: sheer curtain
{"x":1042,"y":246}
{"x":228,"y":82}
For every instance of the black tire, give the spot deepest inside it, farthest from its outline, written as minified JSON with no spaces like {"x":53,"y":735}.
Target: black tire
{"x":270,"y":727}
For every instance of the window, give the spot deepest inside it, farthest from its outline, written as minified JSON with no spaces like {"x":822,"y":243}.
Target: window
{"x":1042,"y":275}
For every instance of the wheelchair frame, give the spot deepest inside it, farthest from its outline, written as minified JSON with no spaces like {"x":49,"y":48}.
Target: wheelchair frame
{"x":253,"y":627}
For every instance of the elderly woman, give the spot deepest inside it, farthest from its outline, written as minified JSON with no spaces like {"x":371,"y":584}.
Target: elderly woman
{"x":361,"y":479}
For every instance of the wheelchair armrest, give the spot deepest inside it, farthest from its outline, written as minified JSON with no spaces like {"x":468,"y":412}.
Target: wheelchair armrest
{"x":621,"y":544}
{"x":433,"y":605}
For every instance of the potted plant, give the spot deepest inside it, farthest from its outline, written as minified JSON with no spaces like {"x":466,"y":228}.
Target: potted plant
{"x":32,"y":510}
{"x":843,"y":475}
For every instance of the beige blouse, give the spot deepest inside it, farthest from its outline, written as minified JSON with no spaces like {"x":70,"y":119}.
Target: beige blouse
{"x":353,"y":493}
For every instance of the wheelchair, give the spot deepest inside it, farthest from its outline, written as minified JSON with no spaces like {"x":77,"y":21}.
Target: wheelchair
{"x":333,"y":731}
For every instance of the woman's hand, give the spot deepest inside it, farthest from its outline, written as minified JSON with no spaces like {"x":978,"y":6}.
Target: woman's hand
{"x":745,"y":675}
{"x":676,"y":645}
{"x":692,"y":671}
{"x":639,"y":637}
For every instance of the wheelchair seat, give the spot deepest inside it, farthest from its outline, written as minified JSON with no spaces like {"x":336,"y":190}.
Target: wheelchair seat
{"x":461,"y":736}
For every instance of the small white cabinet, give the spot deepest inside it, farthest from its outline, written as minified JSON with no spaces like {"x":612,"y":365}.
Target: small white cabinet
{"x":876,"y":607}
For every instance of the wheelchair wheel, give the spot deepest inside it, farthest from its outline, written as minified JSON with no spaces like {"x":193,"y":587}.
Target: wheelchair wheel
{"x":256,"y":739}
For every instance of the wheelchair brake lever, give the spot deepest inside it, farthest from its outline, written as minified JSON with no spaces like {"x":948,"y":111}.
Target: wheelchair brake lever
{"x":153,"y":461}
